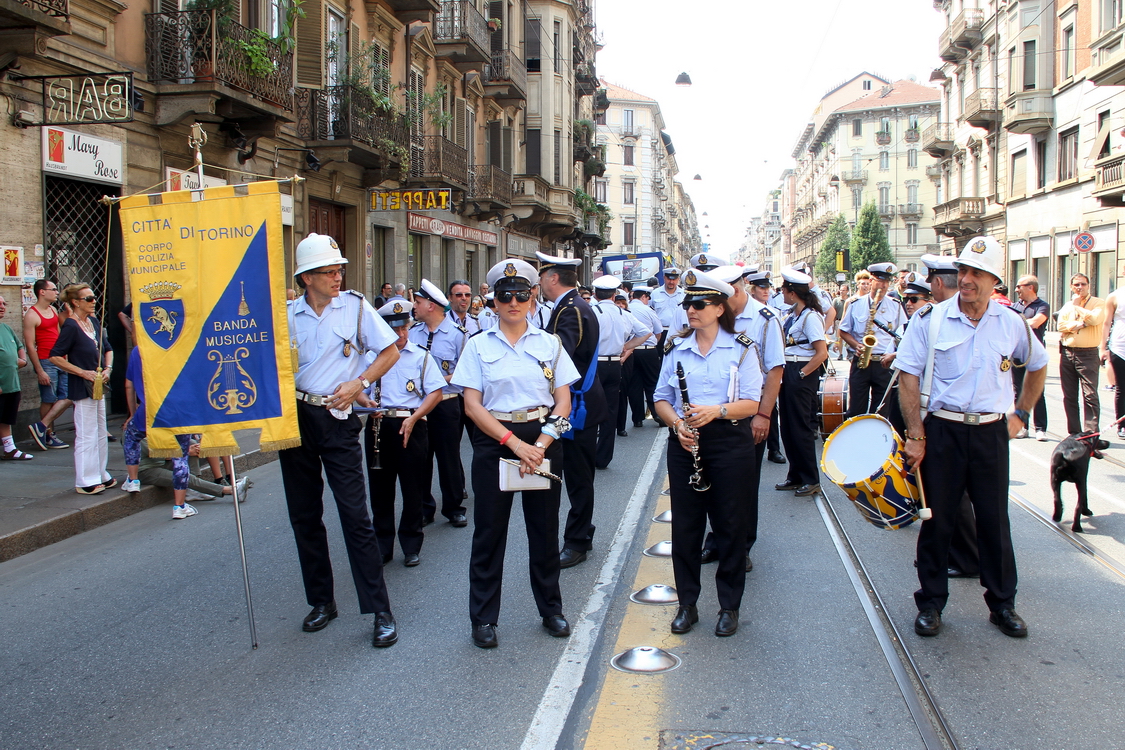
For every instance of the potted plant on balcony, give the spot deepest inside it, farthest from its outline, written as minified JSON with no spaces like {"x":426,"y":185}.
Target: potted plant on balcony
{"x":495,"y":24}
{"x":198,"y":47}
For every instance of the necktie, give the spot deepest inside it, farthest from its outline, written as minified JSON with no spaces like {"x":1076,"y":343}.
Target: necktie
{"x":430,"y":341}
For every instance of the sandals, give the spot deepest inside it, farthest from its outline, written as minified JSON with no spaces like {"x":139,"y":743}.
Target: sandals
{"x":15,"y":454}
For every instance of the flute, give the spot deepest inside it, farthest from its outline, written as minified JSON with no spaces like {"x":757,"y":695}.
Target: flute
{"x":540,"y":472}
{"x":696,"y":480}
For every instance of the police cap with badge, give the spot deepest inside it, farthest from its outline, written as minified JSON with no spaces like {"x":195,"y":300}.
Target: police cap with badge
{"x":396,"y":313}
{"x":707,"y":261}
{"x":791,"y":277}
{"x":917,"y":284}
{"x":511,"y":275}
{"x":549,"y":262}
{"x":701,"y":285}
{"x":429,"y":291}
{"x":984,"y":254}
{"x":604,"y":286}
{"x":758,"y":278}
{"x":936,"y":264}
{"x":671,"y":272}
{"x":883,"y":271}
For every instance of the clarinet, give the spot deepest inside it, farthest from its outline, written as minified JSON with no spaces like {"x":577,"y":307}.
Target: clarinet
{"x":376,"y":463}
{"x":696,"y":480}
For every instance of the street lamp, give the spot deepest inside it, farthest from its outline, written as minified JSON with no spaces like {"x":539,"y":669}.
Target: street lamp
{"x":683,"y":79}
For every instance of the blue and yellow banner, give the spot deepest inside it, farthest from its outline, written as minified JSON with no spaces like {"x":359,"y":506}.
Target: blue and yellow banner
{"x":207,"y":280}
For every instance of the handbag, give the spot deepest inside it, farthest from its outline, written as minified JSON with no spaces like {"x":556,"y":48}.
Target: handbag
{"x":578,"y":401}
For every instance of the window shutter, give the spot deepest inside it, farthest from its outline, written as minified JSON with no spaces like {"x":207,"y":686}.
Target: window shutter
{"x":507,"y":149}
{"x":358,"y":66}
{"x":534,"y":156}
{"x":417,"y":88}
{"x":494,"y":149}
{"x":310,"y":46}
{"x":167,"y":6}
{"x":531,"y":38}
{"x":496,"y":10}
{"x":460,"y":122}
{"x":382,"y":67}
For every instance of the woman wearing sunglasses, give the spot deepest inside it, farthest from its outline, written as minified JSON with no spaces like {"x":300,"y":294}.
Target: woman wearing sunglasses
{"x":82,"y":347}
{"x":724,"y":382}
{"x":806,"y":350}
{"x":515,"y":377}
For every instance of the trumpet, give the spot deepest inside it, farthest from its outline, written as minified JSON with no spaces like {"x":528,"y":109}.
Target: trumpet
{"x":869,"y":339}
{"x":696,"y":480}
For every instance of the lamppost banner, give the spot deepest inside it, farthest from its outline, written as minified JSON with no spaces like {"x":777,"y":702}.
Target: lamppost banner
{"x":207,"y":279}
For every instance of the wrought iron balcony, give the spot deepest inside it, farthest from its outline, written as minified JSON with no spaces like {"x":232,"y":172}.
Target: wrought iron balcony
{"x":982,"y":108}
{"x":937,"y":141}
{"x":435,"y":157}
{"x":910,"y":210}
{"x":505,"y":78}
{"x":461,"y":32}
{"x":911,"y":135}
{"x":883,"y":137}
{"x":195,"y":47}
{"x":1030,"y":112}
{"x":585,"y":79}
{"x":490,"y":183}
{"x":50,"y":17}
{"x":963,"y":34}
{"x":959,"y":217}
{"x":346,"y":113}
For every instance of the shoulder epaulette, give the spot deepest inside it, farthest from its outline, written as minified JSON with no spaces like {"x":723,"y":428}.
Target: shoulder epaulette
{"x":765,"y":311}
{"x":479,"y":331}
{"x":745,"y":340}
{"x":417,"y":323}
{"x":925,"y":311}
{"x":473,"y":316}
{"x":357,"y":294}
{"x":669,"y":344}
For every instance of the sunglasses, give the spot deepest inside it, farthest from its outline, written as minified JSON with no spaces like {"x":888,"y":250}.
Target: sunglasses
{"x":506,"y":297}
{"x":915,"y":299}
{"x":696,"y":304}
{"x":91,"y":298}
{"x":463,"y":295}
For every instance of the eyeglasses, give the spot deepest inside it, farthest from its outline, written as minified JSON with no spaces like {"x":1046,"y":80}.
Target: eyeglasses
{"x":338,"y":273}
{"x":91,"y":298}
{"x":506,"y":297}
{"x":466,"y":294}
{"x":697,"y":304}
{"x":1079,"y":283}
{"x":914,"y":299}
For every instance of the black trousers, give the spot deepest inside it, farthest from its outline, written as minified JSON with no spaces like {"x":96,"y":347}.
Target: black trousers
{"x":331,"y":444}
{"x":627,"y":375}
{"x":773,"y":440}
{"x":445,"y":446}
{"x":753,"y":476}
{"x":609,"y":373}
{"x":725,"y":450}
{"x":797,"y":432}
{"x":964,"y":458}
{"x":578,"y":472}
{"x":1039,"y":413}
{"x":1078,"y":370}
{"x":399,"y":463}
{"x":646,"y":371}
{"x":866,"y":387}
{"x":492,"y":510}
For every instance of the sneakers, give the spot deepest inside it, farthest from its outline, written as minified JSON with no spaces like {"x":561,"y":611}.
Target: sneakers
{"x":1021,"y":434}
{"x":243,"y":486}
{"x":54,"y":442}
{"x":199,"y":496}
{"x":132,"y":485}
{"x":1041,"y":436}
{"x":1121,"y":433}
{"x":183,"y":511}
{"x":39,"y":434}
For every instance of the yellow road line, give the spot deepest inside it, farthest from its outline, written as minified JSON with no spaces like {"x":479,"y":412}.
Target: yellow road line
{"x":629,"y":705}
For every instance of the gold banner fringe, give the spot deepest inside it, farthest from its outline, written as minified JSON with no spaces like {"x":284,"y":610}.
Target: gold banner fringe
{"x":214,"y":451}
{"x":280,"y":445}
{"x":165,"y":452}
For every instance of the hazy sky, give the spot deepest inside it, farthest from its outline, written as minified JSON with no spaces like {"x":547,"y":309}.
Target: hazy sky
{"x":758,"y":70}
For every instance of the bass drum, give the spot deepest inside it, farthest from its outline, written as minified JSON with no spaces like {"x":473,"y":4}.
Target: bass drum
{"x":864,"y":458}
{"x":833,"y":396}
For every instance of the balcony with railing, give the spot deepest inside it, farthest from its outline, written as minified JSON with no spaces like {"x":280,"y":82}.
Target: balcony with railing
{"x":962,"y":35}
{"x":406,"y":6}
{"x":585,"y":79}
{"x":937,"y":140}
{"x":1030,"y":112}
{"x":435,"y":158}
{"x":883,"y":137}
{"x":1109,"y":183}
{"x":910,"y":210}
{"x":348,"y":117}
{"x":982,"y":108}
{"x":49,"y":17}
{"x":959,"y":217}
{"x":490,"y":184}
{"x":199,"y":58}
{"x":933,"y":172}
{"x":854,"y":176}
{"x":505,"y":77}
{"x":886,"y":210}
{"x":461,"y":33}
{"x":911,"y":135}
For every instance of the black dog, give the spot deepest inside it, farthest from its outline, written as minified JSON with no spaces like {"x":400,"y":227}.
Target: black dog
{"x":1070,"y":462}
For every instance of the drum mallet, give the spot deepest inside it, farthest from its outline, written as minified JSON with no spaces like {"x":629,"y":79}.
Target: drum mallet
{"x":924,"y":511}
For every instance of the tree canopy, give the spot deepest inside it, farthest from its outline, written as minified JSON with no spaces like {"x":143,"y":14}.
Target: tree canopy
{"x":838,"y":238}
{"x":869,"y":240}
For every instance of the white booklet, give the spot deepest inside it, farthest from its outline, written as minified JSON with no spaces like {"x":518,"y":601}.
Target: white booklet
{"x":511,"y":481}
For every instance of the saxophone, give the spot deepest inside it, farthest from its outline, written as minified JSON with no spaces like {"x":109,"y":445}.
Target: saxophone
{"x":869,"y":339}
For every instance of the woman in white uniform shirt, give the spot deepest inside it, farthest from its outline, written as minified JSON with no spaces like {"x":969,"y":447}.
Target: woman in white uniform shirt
{"x":515,"y":377}
{"x":720,"y":409}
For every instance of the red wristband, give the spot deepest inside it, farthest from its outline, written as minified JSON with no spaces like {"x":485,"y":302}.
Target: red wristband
{"x":763,"y":415}
{"x":507,"y":435}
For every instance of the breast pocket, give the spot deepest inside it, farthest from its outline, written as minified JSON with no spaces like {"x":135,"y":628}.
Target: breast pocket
{"x":995,"y":353}
{"x":343,"y":339}
{"x":306,"y":350}
{"x":951,"y":359}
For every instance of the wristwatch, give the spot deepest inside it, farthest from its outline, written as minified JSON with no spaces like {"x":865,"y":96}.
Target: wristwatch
{"x":366,"y":383}
{"x":540,"y":446}
{"x":723,"y":411}
{"x":1024,"y":416}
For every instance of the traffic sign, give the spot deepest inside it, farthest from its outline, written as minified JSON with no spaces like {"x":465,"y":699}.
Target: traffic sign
{"x":1084,"y":242}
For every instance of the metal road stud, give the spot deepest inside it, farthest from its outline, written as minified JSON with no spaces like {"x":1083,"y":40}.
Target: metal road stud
{"x":657,"y":593}
{"x":646,"y":660}
{"x":660,"y":549}
{"x":665,"y":517}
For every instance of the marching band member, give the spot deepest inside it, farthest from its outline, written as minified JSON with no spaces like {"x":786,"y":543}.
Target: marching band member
{"x":866,"y":385}
{"x":488,"y":316}
{"x":620,"y":333}
{"x":646,"y":358}
{"x":962,"y":445}
{"x":714,"y":439}
{"x":666,"y":300}
{"x":516,"y":379}
{"x":398,"y":434}
{"x":443,"y":336}
{"x":916,"y":296}
{"x":806,"y":351}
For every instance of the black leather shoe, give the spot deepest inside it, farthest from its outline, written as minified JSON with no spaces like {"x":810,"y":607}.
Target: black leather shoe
{"x":459,"y":521}
{"x":319,"y":618}
{"x":622,"y":433}
{"x":787,"y":485}
{"x":411,"y":561}
{"x":686,"y":616}
{"x":484,"y":636}
{"x":727,"y":624}
{"x":709,"y":556}
{"x":928,"y":623}
{"x":386,"y":631}
{"x":775,"y":457}
{"x":427,"y":520}
{"x":638,"y":425}
{"x":749,"y":564}
{"x":557,"y":626}
{"x":568,"y":558}
{"x":1009,"y":622}
{"x":953,"y":572}
{"x":807,"y":490}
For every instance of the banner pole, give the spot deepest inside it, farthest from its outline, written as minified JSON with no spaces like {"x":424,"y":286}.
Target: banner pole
{"x":242,"y":552}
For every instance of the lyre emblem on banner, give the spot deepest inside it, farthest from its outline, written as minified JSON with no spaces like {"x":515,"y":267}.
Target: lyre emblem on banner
{"x":163,"y":315}
{"x":231,"y":387}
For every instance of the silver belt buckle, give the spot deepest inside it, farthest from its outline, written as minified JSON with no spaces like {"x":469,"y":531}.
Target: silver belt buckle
{"x":519,"y":416}
{"x":972,"y":419}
